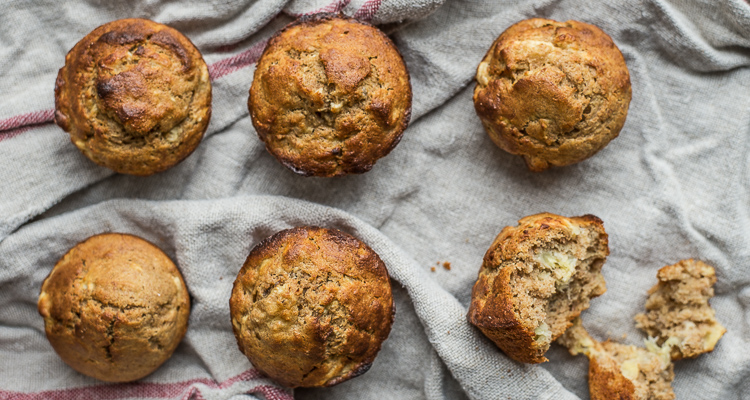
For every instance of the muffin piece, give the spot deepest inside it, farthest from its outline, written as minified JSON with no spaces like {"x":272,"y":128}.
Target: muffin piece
{"x":135,"y":96}
{"x":618,"y":371}
{"x":115,"y":307}
{"x":311,"y":307}
{"x":535,"y":279}
{"x":552,"y":92}
{"x":330,"y":96}
{"x":677,"y":309}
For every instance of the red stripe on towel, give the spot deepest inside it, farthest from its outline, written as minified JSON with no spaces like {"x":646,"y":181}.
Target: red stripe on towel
{"x":368,"y":10}
{"x":32,"y":118}
{"x":236,"y":62}
{"x":334,"y":7}
{"x":149,"y":390}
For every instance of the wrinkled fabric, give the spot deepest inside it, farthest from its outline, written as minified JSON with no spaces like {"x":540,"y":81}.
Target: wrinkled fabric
{"x":673,"y":185}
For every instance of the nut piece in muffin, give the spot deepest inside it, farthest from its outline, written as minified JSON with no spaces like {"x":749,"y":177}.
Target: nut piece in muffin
{"x":311,"y":307}
{"x":135,"y":96}
{"x":115,"y":307}
{"x":552,"y":92}
{"x":677,"y":309}
{"x":619,"y":371}
{"x":331,"y":95}
{"x":535,"y":279}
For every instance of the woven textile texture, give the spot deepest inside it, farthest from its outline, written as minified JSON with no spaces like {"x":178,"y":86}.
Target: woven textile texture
{"x":674,"y":185}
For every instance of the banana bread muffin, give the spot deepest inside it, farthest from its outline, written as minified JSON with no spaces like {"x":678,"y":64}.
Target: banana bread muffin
{"x":619,"y":371}
{"x":535,"y":279}
{"x":552,"y":92}
{"x":330,"y":96}
{"x":115,"y":307}
{"x":311,"y":307}
{"x":677,"y":309}
{"x":135,"y":96}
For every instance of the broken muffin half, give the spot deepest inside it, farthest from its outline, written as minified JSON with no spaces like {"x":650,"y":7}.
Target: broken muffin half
{"x":536,"y":278}
{"x":677,"y":310}
{"x":620,"y":371}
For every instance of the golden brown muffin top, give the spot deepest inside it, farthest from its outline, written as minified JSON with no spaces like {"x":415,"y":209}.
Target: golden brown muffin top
{"x":134,"y":95}
{"x":533,"y":232}
{"x":552,"y":92}
{"x":311,"y":307}
{"x":330,"y":96}
{"x":115,"y":307}
{"x":535,"y":279}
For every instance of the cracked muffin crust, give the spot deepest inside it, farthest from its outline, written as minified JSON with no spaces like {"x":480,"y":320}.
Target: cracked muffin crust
{"x":135,"y":96}
{"x":552,"y":92}
{"x":535,"y":279}
{"x":311,"y":307}
{"x":330,"y":96}
{"x":115,"y":307}
{"x":678,"y":312}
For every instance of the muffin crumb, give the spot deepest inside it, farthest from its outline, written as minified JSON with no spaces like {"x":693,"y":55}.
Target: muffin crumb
{"x":677,"y":309}
{"x":619,"y":371}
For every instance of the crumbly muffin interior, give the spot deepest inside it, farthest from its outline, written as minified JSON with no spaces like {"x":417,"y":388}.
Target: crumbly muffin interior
{"x":678,"y":312}
{"x":648,"y":371}
{"x":549,"y":292}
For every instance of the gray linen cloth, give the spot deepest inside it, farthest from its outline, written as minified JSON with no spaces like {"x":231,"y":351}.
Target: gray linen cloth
{"x":674,"y":185}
